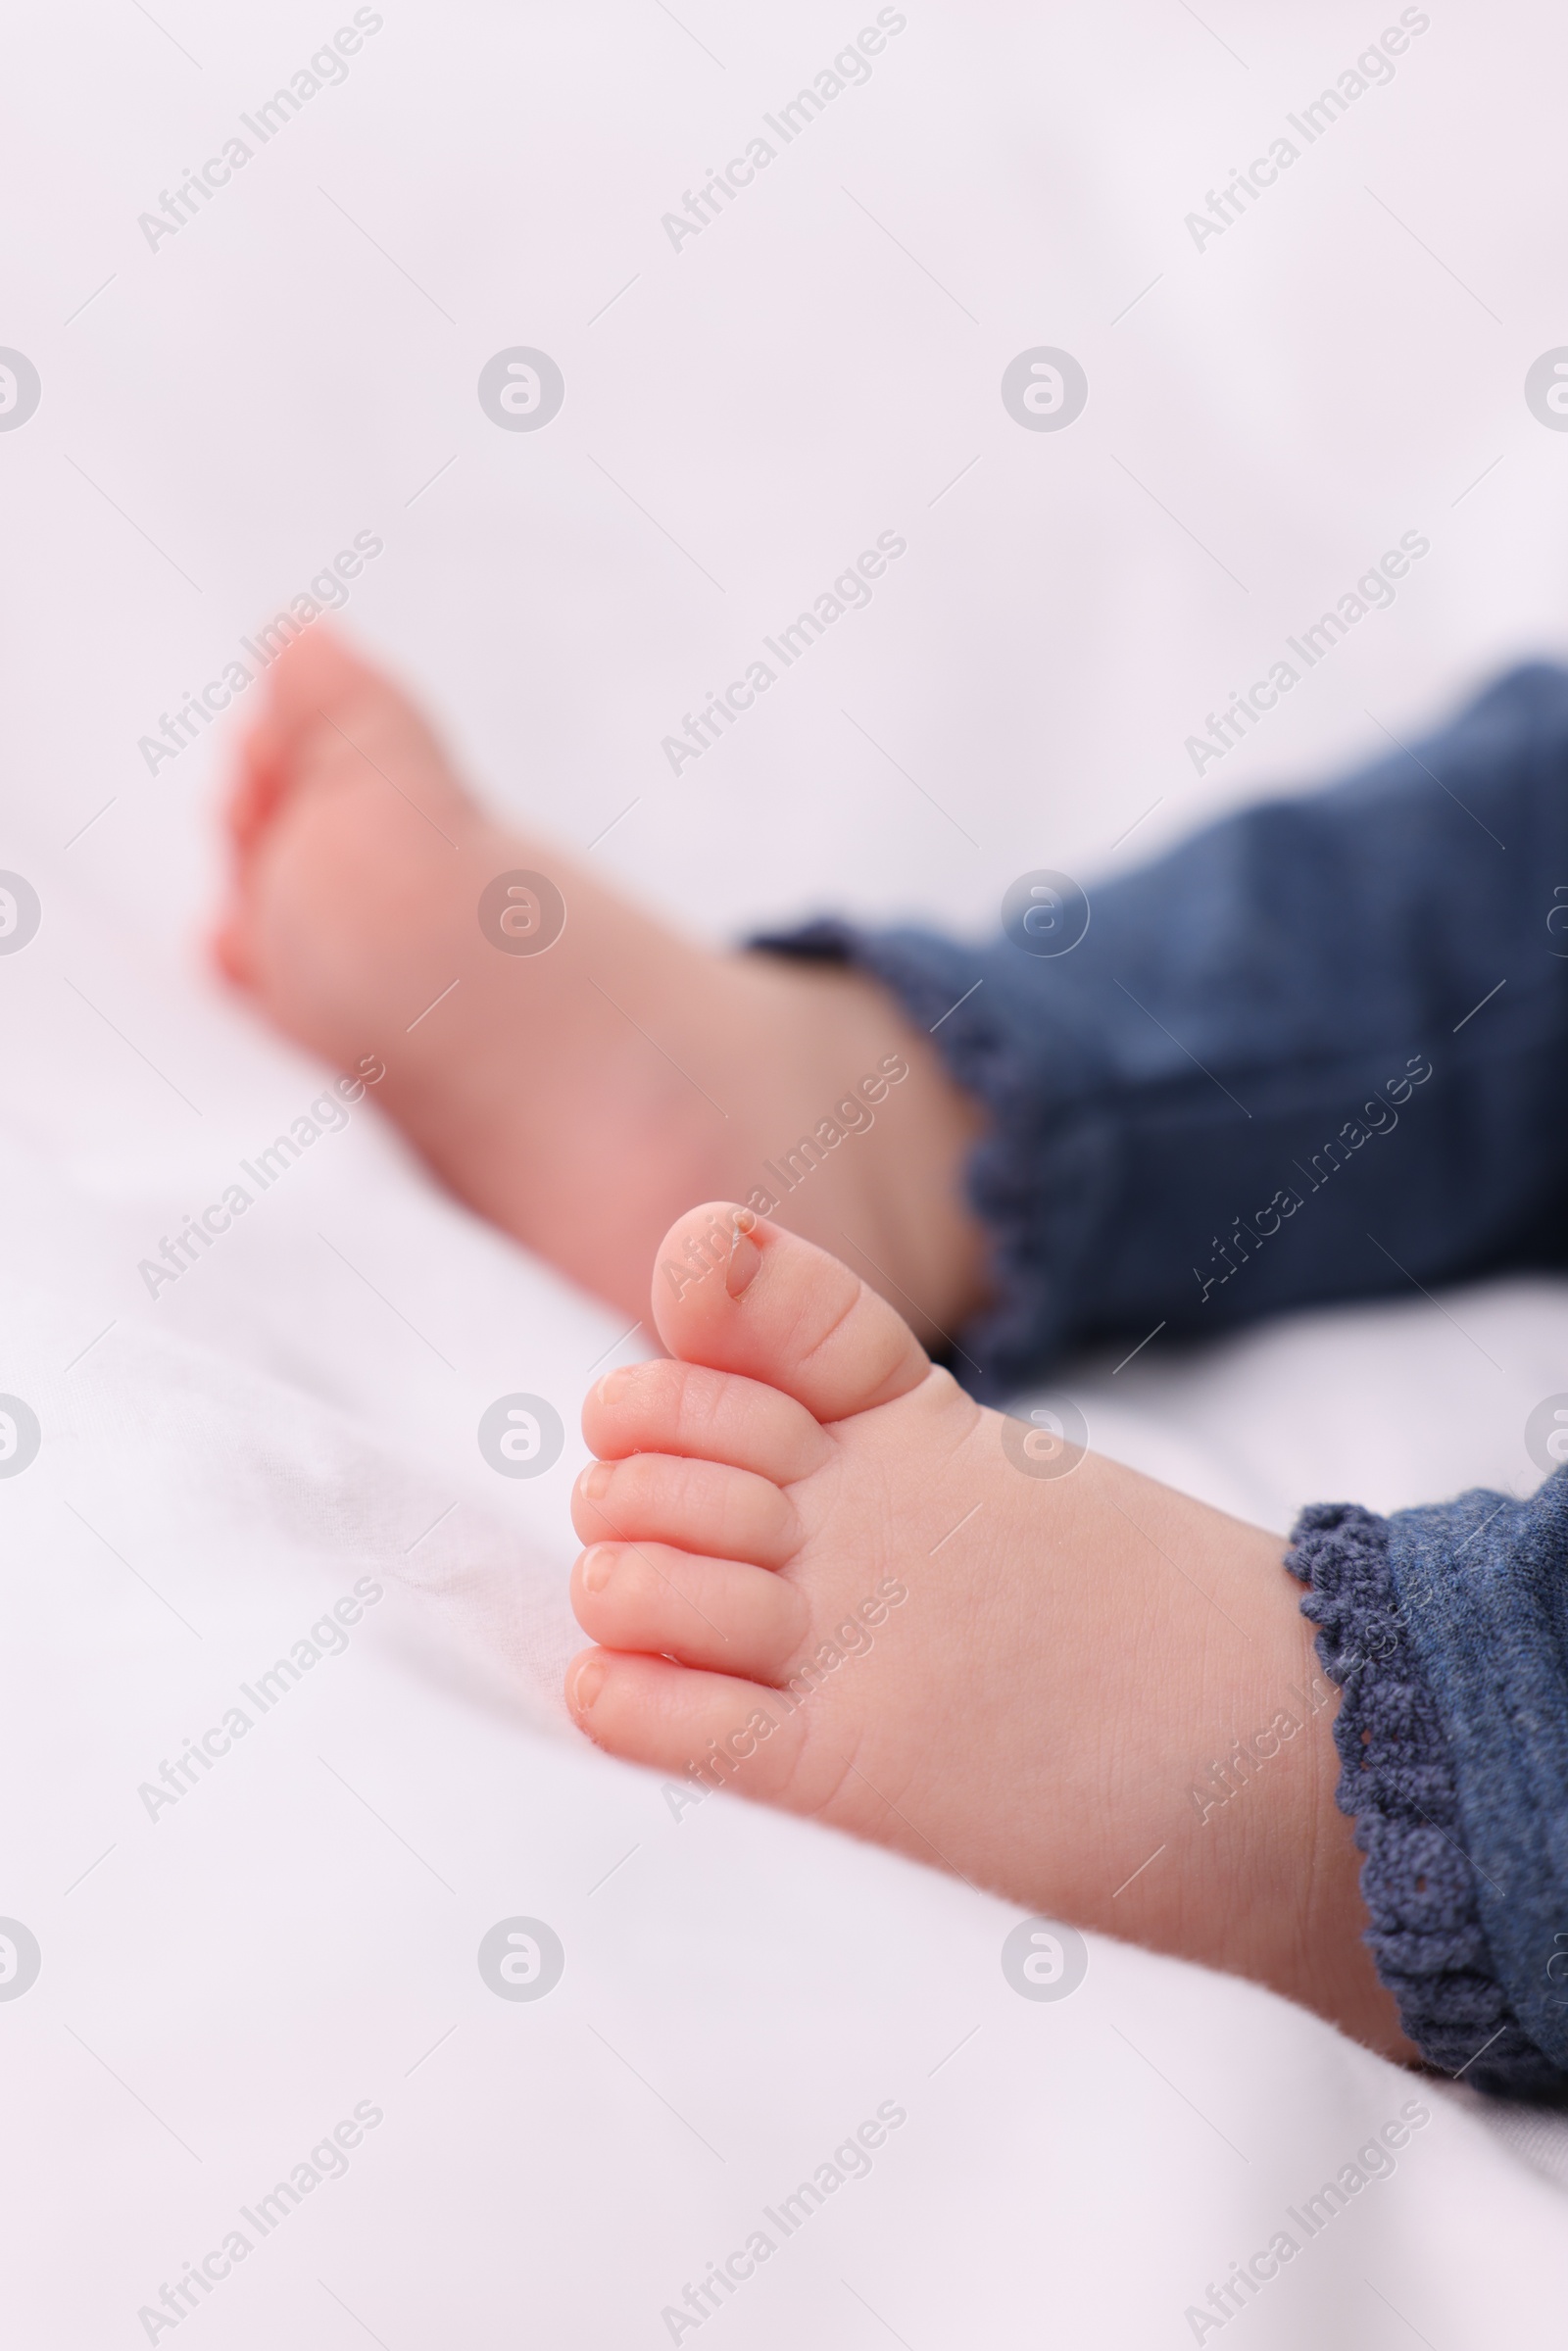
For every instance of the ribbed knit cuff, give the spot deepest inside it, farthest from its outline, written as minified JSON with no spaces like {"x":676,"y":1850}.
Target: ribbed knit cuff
{"x":1397,"y":1783}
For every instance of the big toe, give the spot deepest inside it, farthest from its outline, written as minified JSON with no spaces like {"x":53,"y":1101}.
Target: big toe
{"x":312,"y":685}
{"x":735,"y":1291}
{"x":319,"y":671}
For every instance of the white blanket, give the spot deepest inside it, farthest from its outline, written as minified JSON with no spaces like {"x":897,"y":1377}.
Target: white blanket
{"x":257,"y":1896}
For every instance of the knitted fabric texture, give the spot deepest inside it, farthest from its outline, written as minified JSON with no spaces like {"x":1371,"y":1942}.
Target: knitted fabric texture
{"x":1397,"y":1783}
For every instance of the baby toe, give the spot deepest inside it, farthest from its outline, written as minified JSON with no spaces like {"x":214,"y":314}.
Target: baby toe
{"x":686,"y":1408}
{"x":702,"y":1507}
{"x":744,"y":1296}
{"x":674,"y":1720}
{"x":317,"y":672}
{"x":228,"y":943}
{"x":702,"y":1612}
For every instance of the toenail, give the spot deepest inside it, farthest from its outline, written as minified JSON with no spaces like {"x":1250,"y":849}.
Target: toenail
{"x":595,"y":1483}
{"x":744,"y":1254}
{"x":587,"y":1681}
{"x":598,"y":1567}
{"x":615,"y":1382}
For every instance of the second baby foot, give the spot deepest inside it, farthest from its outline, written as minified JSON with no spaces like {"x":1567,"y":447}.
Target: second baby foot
{"x":578,"y":1097}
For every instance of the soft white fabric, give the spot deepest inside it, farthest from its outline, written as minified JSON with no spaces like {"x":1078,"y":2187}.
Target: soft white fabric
{"x":224,"y":1981}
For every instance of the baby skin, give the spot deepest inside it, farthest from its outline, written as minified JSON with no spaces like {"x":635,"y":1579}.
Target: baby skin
{"x":579,"y":1098}
{"x":817,"y":1572}
{"x":815,"y":1569}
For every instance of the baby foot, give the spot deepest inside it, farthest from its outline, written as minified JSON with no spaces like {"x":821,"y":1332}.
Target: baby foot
{"x":820,"y":1577}
{"x":580,"y":1096}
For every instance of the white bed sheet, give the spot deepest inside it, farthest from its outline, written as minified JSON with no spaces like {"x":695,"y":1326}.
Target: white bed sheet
{"x":222,"y":1982}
